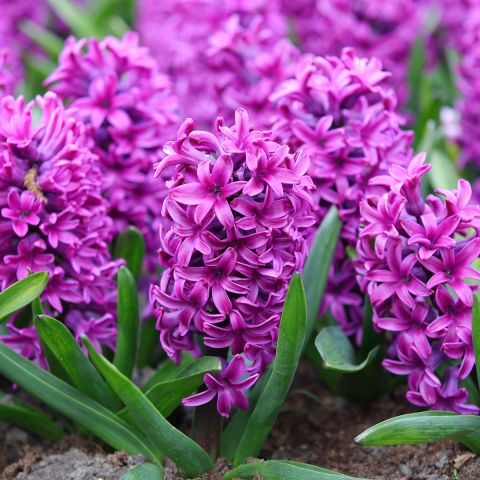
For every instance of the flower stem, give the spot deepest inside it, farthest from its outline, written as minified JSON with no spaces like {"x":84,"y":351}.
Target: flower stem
{"x":207,"y":429}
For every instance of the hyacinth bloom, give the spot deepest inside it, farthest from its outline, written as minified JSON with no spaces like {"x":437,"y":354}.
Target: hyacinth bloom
{"x":117,"y":90}
{"x":338,"y":110}
{"x":53,"y":218}
{"x":420,"y":283}
{"x":220,"y":54}
{"x":237,"y":205}
{"x":385,"y":30}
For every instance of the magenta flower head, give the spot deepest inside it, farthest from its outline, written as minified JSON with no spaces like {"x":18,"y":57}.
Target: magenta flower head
{"x":415,"y":261}
{"x":53,"y":217}
{"x":338,"y":110}
{"x":237,"y":204}
{"x":117,"y":90}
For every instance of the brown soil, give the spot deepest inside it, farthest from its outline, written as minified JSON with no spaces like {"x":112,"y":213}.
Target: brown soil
{"x":317,"y":430}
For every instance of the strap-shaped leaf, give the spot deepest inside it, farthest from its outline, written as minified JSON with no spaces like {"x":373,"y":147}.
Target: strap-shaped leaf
{"x":73,"y":404}
{"x":316,"y":269}
{"x":32,"y":420}
{"x":289,"y":348}
{"x":130,"y":246}
{"x":476,"y":335}
{"x":21,"y":294}
{"x":280,"y":470}
{"x":337,"y":351}
{"x":424,"y":427}
{"x":167,"y":395}
{"x":144,"y":471}
{"x":128,"y":322}
{"x":49,"y":41}
{"x":76,"y":18}
{"x":81,"y":373}
{"x":169,"y":371}
{"x":167,"y":440}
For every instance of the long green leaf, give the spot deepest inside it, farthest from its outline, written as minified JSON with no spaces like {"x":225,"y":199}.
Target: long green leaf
{"x":32,"y":420}
{"x":75,"y":18}
{"x":144,"y":471}
{"x":476,"y":335}
{"x":316,"y":269}
{"x":168,"y":371}
{"x":21,"y":294}
{"x":424,"y":427}
{"x":188,"y":455}
{"x":337,"y":351}
{"x":70,"y":402}
{"x":167,"y":395}
{"x":444,"y":173}
{"x":130,"y":246}
{"x":289,"y":348}
{"x":128,"y":318}
{"x":280,"y":470}
{"x":81,"y":373}
{"x":49,"y":41}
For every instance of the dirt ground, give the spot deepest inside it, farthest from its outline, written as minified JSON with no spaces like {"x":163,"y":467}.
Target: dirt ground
{"x":317,"y":430}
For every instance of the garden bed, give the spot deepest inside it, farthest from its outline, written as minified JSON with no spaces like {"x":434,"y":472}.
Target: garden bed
{"x":306,"y":431}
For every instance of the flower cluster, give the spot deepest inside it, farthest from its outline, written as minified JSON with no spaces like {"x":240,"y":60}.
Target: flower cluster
{"x":117,"y":90}
{"x":415,"y":261}
{"x":53,"y":218}
{"x":220,"y":54}
{"x":340,"y":113}
{"x":237,"y":203}
{"x":385,"y":30}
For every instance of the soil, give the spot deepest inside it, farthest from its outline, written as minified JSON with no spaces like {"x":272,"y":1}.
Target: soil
{"x":317,"y":429}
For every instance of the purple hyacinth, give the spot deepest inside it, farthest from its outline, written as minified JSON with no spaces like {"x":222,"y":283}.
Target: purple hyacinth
{"x":416,"y":265}
{"x":116,"y":89}
{"x":237,"y":204}
{"x":53,"y":218}
{"x":220,"y":54}
{"x":339,"y":111}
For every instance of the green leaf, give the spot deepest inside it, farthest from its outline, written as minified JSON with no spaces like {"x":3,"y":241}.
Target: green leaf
{"x":281,"y":470}
{"x":476,"y":335}
{"x":130,"y":246}
{"x":416,"y":73}
{"x":289,"y":348}
{"x":187,"y":455}
{"x":444,"y":173}
{"x":81,"y":373}
{"x":337,"y":351}
{"x":168,"y":371}
{"x":70,"y":402}
{"x":167,"y":395}
{"x":316,"y":269}
{"x":424,"y":427}
{"x":32,"y":420}
{"x":148,"y":343}
{"x":76,"y":18}
{"x":49,"y":41}
{"x":21,"y":294}
{"x":144,"y":471}
{"x":128,"y":321}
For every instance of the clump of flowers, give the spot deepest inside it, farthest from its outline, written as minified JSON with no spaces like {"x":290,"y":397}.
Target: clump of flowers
{"x":339,"y":111}
{"x":237,"y":203}
{"x":117,"y":90}
{"x":220,"y":54}
{"x":53,"y":218}
{"x":415,"y":261}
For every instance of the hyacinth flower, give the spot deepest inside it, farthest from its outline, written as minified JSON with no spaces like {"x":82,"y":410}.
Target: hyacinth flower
{"x":53,"y":218}
{"x":339,"y":111}
{"x":116,"y":89}
{"x":418,"y":273}
{"x":238,"y":204}
{"x":221,"y":55}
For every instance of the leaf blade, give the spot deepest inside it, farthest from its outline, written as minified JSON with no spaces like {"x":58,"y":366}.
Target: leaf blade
{"x":476,"y":334}
{"x":130,"y":246}
{"x":144,"y":471}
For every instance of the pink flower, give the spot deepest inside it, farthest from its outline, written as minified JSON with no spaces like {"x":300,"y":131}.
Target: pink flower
{"x":23,"y":210}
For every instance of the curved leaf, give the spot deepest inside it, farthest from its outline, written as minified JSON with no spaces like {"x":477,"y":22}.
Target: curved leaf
{"x":128,"y":321}
{"x":144,"y":471}
{"x":476,"y":334}
{"x":130,"y":246}
{"x":316,"y":269}
{"x":71,"y":403}
{"x":337,"y":351}
{"x":188,"y":455}
{"x":289,"y":348}
{"x":76,"y":18}
{"x":281,"y":470}
{"x":22,"y":293}
{"x":81,"y":373}
{"x":424,"y":427}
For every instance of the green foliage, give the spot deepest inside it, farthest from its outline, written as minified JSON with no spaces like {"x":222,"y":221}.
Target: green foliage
{"x":130,"y":246}
{"x":476,"y":334}
{"x":144,"y":471}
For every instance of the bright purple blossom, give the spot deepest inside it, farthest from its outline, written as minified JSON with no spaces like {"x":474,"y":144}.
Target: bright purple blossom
{"x":238,"y":204}
{"x":339,"y":111}
{"x":117,"y":90}
{"x":420,"y":283}
{"x":53,"y":218}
